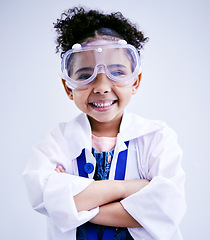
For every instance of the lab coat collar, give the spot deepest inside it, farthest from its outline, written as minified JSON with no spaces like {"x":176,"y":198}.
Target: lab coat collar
{"x":78,"y":132}
{"x":133,"y":126}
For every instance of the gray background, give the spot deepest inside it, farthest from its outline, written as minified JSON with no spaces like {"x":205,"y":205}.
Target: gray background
{"x":174,"y":88}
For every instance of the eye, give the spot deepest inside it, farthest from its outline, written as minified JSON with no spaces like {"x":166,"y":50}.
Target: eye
{"x":83,"y":76}
{"x":83,"y":73}
{"x":117,"y":70}
{"x":118,"y":73}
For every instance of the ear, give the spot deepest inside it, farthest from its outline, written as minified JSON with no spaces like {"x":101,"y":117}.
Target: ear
{"x":136,"y":85}
{"x":68,"y":90}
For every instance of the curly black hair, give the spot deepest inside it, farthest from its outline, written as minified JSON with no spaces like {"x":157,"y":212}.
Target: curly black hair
{"x":78,"y":24}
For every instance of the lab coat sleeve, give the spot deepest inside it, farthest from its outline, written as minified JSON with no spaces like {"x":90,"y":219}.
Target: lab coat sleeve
{"x":52,"y":193}
{"x":160,"y":206}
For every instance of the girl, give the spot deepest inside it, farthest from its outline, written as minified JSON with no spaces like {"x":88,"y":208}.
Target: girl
{"x":107,"y":174}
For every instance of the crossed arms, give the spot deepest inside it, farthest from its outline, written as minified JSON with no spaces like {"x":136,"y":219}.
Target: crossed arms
{"x":107,"y":195}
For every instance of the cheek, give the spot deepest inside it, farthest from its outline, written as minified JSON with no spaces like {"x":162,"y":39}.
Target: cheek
{"x":125,"y":95}
{"x":80,"y":99}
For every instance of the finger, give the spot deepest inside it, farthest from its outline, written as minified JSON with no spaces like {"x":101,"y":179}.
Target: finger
{"x":61,"y":168}
{"x":57,"y":170}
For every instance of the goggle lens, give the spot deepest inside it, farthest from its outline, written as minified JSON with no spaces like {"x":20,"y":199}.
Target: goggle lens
{"x":120,"y":62}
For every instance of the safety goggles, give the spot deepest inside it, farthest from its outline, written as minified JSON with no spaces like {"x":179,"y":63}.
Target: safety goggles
{"x":117,"y":59}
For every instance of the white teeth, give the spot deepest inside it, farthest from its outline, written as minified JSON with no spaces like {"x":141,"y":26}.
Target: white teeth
{"x":106,"y":104}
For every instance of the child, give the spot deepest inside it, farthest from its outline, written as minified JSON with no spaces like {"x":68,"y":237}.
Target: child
{"x":107,"y":174}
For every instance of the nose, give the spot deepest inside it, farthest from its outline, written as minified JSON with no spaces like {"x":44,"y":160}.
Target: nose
{"x":102,"y":84}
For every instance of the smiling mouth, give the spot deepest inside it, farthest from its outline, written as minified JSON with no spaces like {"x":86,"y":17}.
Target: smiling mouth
{"x":103,"y":104}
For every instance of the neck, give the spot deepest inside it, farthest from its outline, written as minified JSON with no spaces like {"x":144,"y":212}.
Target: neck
{"x":105,"y":129}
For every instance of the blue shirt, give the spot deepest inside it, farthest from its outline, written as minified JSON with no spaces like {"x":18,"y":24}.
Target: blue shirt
{"x":103,"y":164}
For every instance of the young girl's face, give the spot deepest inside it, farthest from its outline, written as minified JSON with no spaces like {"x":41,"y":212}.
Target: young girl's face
{"x":103,"y":101}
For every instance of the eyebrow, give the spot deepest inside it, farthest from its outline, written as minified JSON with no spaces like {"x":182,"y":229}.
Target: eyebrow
{"x":83,"y":69}
{"x":116,"y":65}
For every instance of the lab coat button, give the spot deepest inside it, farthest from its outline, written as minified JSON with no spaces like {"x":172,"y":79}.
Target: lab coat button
{"x":88,"y":168}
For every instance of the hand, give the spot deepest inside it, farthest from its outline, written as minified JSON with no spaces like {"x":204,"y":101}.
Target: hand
{"x":60,"y":169}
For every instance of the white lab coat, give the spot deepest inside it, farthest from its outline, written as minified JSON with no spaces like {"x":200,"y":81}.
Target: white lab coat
{"x":153,"y":153}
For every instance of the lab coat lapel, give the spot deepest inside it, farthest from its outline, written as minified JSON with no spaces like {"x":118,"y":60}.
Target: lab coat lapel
{"x":78,"y":135}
